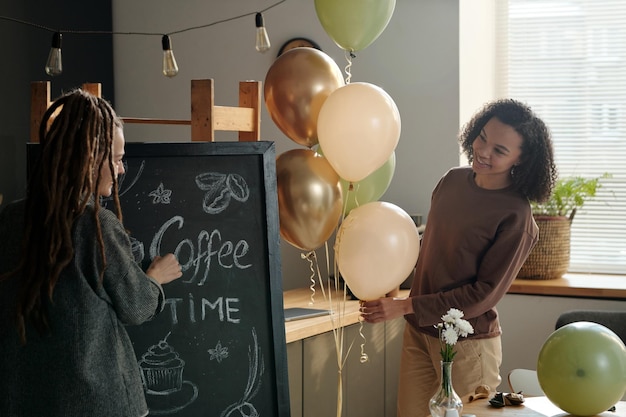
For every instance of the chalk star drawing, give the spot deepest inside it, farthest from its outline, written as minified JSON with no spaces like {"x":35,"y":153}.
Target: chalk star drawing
{"x":160,"y":195}
{"x":219,"y":353}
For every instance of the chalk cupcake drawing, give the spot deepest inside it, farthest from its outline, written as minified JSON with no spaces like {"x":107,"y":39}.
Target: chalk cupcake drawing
{"x":220,"y":189}
{"x":256,"y":367}
{"x":162,"y":376}
{"x":167,"y":392}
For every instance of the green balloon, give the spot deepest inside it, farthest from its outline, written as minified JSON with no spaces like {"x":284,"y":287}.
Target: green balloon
{"x":354,"y":24}
{"x":370,"y":188}
{"x":582,"y":368}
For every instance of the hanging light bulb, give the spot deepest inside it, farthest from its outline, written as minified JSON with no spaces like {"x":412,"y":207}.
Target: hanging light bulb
{"x":262,"y":40}
{"x":54,"y":64}
{"x":170,"y":68}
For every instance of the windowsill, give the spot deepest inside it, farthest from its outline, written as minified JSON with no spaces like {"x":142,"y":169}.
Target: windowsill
{"x":574,"y":285}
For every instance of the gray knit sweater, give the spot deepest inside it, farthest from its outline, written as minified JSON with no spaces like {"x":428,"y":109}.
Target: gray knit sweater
{"x":86,"y":365}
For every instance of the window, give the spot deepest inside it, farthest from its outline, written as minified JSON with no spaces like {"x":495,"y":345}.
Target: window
{"x":567,"y":60}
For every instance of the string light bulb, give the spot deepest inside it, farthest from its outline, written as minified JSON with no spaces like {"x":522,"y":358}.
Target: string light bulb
{"x":170,"y":67}
{"x":54,"y":64}
{"x":262,"y":40}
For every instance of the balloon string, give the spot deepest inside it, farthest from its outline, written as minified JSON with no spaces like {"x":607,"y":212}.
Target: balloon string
{"x":310,"y":256}
{"x":319,"y":274}
{"x":339,"y":394}
{"x":356,"y":195}
{"x":345,"y":201}
{"x":349,"y":55}
{"x":364,"y":358}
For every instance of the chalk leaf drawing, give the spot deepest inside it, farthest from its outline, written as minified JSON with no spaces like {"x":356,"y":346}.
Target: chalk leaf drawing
{"x":220,"y":189}
{"x":219,"y":353}
{"x":256,"y":368}
{"x":160,"y":195}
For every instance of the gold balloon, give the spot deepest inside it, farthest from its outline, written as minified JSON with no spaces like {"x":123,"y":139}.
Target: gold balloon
{"x":296,"y":86}
{"x":309,"y":198}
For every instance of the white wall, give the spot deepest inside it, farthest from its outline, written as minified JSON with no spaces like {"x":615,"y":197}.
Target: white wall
{"x":415,"y":60}
{"x":528,"y":320}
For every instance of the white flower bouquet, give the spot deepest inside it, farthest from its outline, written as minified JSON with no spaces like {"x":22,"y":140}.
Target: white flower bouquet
{"x":452,"y":327}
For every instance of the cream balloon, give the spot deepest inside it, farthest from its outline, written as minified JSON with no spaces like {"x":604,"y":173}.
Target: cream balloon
{"x":310,"y":200}
{"x":295,"y":88}
{"x":358,"y":127}
{"x":376,"y":248}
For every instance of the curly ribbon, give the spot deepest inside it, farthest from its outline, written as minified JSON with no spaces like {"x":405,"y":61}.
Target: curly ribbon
{"x":349,"y":56}
{"x":364,"y":358}
{"x":311,"y":257}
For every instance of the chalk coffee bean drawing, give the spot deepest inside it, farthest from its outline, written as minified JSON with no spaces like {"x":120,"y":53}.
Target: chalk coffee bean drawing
{"x":220,"y":189}
{"x":238,"y":187}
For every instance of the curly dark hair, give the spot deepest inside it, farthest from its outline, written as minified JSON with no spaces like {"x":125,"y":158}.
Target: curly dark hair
{"x":76,"y":136}
{"x":536,"y":173}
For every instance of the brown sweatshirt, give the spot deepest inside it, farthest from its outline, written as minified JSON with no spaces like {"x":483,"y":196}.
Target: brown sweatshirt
{"x":474,"y":244}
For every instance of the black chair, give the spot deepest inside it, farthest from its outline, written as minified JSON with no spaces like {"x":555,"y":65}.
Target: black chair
{"x":614,"y":320}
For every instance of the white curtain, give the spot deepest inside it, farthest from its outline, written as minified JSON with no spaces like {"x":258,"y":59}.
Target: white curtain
{"x":567,"y":60}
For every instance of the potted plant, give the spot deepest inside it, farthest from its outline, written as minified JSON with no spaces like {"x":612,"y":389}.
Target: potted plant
{"x":549,"y":259}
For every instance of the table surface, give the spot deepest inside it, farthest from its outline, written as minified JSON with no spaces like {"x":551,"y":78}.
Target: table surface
{"x":532,"y":407}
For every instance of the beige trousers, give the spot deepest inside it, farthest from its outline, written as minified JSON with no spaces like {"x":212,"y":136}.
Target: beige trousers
{"x":477,"y":362}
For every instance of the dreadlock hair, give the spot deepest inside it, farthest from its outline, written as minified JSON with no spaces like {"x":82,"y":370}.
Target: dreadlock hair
{"x":74,"y":149}
{"x":536,"y":173}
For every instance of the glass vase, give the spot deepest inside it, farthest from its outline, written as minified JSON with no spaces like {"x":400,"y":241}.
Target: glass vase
{"x":446,"y":402}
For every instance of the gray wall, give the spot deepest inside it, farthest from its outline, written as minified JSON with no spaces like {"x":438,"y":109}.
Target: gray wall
{"x":415,"y":60}
{"x":25,"y":50}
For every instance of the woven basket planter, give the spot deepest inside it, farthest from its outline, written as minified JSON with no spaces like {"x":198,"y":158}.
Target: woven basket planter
{"x":549,"y":259}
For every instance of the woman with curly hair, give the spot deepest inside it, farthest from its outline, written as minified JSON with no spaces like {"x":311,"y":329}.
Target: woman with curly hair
{"x":479,"y":232}
{"x":68,"y":280}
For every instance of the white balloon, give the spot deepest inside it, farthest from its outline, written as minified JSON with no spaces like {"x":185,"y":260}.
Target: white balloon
{"x":358,"y":127}
{"x":376,"y":248}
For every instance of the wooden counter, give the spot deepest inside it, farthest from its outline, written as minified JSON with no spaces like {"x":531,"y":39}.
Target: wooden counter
{"x":571,"y":285}
{"x":574,"y":285}
{"x":344,"y":314}
{"x":301,"y":297}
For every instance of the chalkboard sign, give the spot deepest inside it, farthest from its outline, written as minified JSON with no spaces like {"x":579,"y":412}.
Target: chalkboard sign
{"x":218,"y":348}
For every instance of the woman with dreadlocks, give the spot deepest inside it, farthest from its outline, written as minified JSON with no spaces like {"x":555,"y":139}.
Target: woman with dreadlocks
{"x":68,"y":280}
